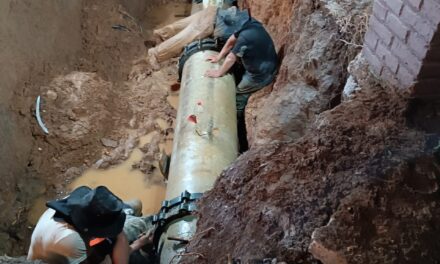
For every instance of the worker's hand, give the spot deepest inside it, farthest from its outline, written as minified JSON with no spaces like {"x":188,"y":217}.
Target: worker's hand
{"x":147,"y":237}
{"x":213,"y":58}
{"x":213,"y":73}
{"x":143,"y":239}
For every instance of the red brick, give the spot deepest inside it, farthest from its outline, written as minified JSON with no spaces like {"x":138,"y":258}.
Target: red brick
{"x":418,"y":45}
{"x":409,"y":17}
{"x":424,"y":28}
{"x":394,"y":5}
{"x":420,"y":24}
{"x":371,"y":40}
{"x":387,"y":58}
{"x":416,"y":4}
{"x":406,"y":57}
{"x":380,"y":11}
{"x":431,"y":9}
{"x":375,"y":63}
{"x":389,"y":76}
{"x":383,"y":32}
{"x":405,"y":77}
{"x":397,"y":27}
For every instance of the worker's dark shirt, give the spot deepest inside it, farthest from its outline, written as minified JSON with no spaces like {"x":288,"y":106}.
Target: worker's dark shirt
{"x":256,"y":49}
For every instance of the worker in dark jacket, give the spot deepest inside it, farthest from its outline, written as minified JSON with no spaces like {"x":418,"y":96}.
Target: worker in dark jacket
{"x":253,"y":46}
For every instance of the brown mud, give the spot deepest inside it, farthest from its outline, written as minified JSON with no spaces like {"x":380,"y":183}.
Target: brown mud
{"x":360,"y":186}
{"x":99,"y":113}
{"x":325,"y":180}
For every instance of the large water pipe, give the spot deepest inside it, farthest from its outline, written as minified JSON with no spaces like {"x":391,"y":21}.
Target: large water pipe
{"x":205,"y":143}
{"x":206,"y":128}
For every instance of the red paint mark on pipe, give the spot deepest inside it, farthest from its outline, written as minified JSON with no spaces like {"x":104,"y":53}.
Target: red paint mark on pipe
{"x":193,"y":119}
{"x":175,"y":87}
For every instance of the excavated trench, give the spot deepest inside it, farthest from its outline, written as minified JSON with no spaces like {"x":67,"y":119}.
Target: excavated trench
{"x":109,"y":116}
{"x":325,"y":180}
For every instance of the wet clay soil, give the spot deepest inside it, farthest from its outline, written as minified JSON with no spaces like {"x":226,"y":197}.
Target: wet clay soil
{"x":111,"y":118}
{"x":360,"y":185}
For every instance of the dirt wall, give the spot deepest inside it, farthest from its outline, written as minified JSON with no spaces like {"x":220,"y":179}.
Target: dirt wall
{"x":36,"y":38}
{"x":85,"y":59}
{"x":324,"y":181}
{"x":310,"y":38}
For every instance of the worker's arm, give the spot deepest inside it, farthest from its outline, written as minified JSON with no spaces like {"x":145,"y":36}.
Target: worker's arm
{"x":227,"y":64}
{"x":143,"y":239}
{"x":225,"y":50}
{"x":121,"y":250}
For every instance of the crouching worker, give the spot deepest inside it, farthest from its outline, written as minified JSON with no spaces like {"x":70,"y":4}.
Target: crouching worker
{"x":252,"y":47}
{"x":90,"y":226}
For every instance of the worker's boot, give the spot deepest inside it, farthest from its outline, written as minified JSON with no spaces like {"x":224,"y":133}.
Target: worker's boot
{"x":134,"y":207}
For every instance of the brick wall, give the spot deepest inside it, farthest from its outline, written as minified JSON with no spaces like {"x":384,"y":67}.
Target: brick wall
{"x":402,"y":43}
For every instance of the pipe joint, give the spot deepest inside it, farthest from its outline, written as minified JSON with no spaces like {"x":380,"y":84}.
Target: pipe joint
{"x":194,"y":47}
{"x":171,"y":210}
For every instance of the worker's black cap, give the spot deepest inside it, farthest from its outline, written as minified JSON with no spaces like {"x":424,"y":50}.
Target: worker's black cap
{"x":92,"y":212}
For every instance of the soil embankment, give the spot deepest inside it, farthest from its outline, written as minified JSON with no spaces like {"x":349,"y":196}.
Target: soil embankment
{"x":324,"y":181}
{"x":99,"y":100}
{"x":327,"y":179}
{"x":38,"y":40}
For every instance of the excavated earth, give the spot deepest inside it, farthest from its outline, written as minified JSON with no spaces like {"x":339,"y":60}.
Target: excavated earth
{"x":327,"y":179}
{"x":360,"y":187}
{"x":96,"y":106}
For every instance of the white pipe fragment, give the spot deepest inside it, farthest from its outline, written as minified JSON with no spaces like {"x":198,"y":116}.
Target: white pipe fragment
{"x":37,"y":114}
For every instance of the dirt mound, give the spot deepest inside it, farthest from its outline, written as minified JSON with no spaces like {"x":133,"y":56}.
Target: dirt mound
{"x":310,"y":36}
{"x":96,"y":107}
{"x":79,"y":110}
{"x":351,"y":182}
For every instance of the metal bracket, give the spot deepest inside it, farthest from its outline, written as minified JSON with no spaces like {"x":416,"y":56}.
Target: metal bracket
{"x":174,"y":209}
{"x":194,"y":47}
{"x":184,"y":203}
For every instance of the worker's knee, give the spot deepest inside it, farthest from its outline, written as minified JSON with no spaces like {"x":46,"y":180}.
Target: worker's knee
{"x":134,"y":226}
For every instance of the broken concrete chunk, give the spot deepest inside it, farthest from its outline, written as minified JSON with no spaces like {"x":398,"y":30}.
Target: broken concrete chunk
{"x":51,"y":95}
{"x":326,"y":255}
{"x":110,"y":143}
{"x":64,"y":128}
{"x":351,"y":86}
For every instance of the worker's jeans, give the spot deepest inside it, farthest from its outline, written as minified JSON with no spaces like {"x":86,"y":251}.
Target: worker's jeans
{"x":248,"y":86}
{"x":136,"y":225}
{"x":244,"y":90}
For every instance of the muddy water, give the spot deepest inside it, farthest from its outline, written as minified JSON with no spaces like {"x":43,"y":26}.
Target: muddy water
{"x":128,"y":183}
{"x":173,"y":100}
{"x":123,"y":180}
